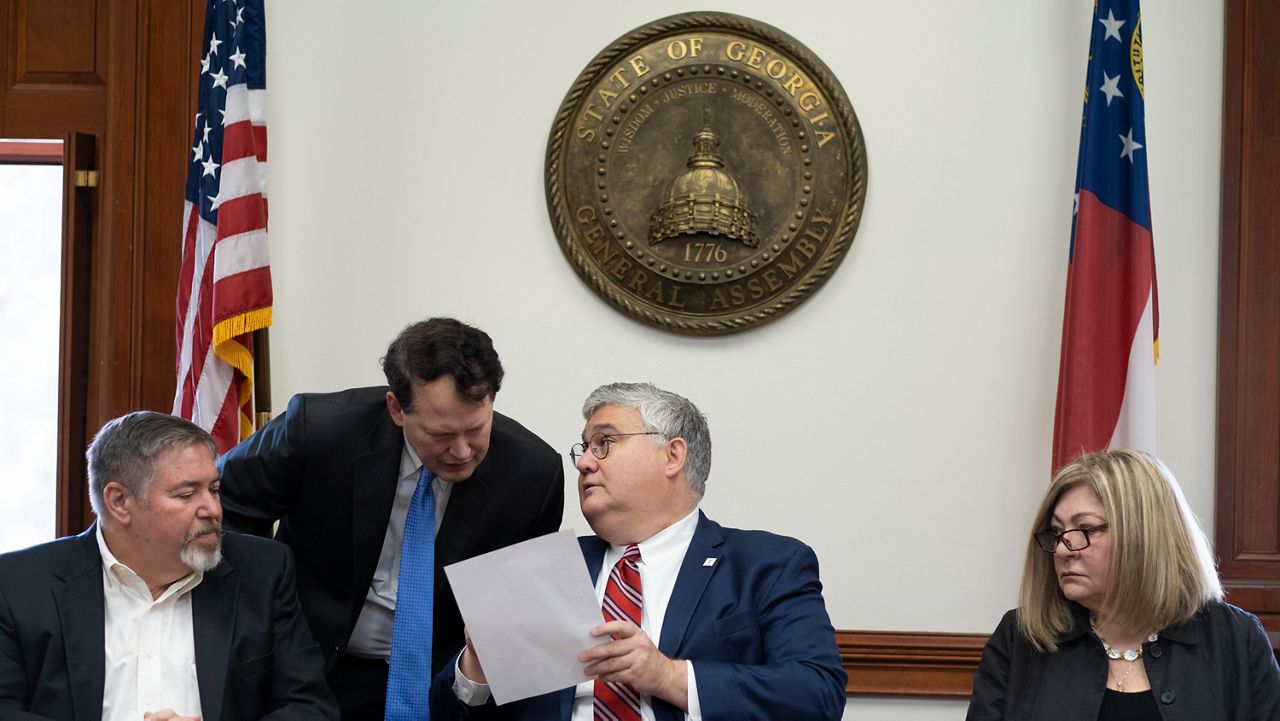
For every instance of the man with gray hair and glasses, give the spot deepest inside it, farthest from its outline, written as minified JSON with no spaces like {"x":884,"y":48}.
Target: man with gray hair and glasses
{"x":152,"y":612}
{"x":704,"y":621}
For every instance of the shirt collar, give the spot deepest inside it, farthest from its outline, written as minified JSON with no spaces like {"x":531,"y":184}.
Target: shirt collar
{"x":410,"y":464}
{"x":118,"y":575}
{"x":665,"y":545}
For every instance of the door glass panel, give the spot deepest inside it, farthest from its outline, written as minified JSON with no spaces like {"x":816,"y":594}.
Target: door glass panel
{"x":30,"y":278}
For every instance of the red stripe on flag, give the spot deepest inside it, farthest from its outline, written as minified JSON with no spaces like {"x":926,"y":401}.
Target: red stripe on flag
{"x":242,"y":292}
{"x":244,"y":140}
{"x":1108,"y":284}
{"x":241,"y":215}
{"x":226,"y":429}
{"x":260,"y":142}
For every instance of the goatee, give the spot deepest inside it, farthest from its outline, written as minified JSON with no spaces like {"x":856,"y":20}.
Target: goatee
{"x":202,"y":559}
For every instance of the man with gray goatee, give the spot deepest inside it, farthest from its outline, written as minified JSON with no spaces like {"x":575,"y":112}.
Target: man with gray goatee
{"x":152,"y":613}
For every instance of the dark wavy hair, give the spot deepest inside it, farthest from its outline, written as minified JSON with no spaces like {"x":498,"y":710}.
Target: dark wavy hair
{"x":439,"y":347}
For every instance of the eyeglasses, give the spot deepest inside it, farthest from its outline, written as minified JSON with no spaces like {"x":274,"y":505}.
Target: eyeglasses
{"x":1075,"y":539}
{"x":599,"y":444}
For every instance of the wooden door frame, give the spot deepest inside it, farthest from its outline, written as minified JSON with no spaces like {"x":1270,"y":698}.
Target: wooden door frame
{"x":134,"y":89}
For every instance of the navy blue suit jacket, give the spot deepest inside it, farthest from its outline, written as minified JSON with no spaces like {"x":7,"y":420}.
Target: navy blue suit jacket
{"x":255,"y":658}
{"x":753,"y":623}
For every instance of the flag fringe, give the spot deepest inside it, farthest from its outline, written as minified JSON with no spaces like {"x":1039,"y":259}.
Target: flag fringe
{"x":246,"y":420}
{"x":238,"y":356}
{"x":238,"y":325}
{"x":235,"y":354}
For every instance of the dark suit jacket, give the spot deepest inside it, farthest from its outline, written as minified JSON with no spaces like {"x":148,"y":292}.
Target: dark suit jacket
{"x":754,"y":625}
{"x":327,"y":469}
{"x":255,"y":658}
{"x":1218,"y":666}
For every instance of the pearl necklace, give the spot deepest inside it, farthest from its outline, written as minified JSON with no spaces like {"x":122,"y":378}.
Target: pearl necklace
{"x":1128,"y":654}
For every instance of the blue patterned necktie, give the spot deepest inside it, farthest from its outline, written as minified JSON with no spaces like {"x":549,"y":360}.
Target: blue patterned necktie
{"x":409,"y":677}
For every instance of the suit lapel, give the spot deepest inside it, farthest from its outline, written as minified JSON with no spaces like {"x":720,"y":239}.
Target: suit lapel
{"x":593,"y":549}
{"x":372,"y":495}
{"x":691,"y":583}
{"x":81,"y":610}
{"x":467,"y":501}
{"x":213,"y":617}
{"x":566,"y":702}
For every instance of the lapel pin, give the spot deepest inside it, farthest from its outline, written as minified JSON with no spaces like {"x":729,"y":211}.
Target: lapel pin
{"x":709,"y":563}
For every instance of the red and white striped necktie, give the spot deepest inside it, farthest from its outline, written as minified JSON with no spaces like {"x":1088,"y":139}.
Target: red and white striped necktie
{"x":622,"y":602}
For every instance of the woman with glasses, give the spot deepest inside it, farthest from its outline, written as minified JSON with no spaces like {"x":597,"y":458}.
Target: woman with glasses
{"x":1121,"y":615}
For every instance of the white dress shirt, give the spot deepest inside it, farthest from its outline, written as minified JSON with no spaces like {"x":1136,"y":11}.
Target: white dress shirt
{"x":661,"y":556}
{"x":150,"y":644}
{"x":371,"y":637}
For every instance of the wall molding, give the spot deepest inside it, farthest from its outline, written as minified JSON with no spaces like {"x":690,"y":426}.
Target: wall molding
{"x":912,"y":663}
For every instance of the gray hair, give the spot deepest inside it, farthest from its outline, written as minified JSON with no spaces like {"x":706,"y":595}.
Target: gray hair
{"x":126,"y":448}
{"x":668,"y":416}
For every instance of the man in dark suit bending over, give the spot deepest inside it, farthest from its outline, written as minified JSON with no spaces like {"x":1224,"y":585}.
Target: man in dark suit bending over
{"x":153,"y":610}
{"x":377,"y":489}
{"x":705,"y":622}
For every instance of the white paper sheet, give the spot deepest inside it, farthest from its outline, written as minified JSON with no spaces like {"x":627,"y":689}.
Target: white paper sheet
{"x":529,"y":609}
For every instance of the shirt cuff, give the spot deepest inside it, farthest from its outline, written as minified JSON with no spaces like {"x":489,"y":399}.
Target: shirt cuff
{"x":695,"y":708}
{"x":468,"y":692}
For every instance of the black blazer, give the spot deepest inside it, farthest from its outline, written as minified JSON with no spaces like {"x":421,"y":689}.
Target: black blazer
{"x":327,"y":469}
{"x":1218,"y":666}
{"x":255,"y":658}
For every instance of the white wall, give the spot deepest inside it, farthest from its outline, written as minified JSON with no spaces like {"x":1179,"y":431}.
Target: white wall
{"x":900,"y":421}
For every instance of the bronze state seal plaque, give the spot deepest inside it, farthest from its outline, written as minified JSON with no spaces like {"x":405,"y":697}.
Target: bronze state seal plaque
{"x":705,"y":173}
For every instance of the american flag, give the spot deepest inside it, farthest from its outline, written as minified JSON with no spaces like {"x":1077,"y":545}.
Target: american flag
{"x":224,"y":286}
{"x":1110,"y":326}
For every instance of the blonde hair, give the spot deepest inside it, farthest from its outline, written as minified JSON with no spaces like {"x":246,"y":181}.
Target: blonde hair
{"x":1161,"y":569}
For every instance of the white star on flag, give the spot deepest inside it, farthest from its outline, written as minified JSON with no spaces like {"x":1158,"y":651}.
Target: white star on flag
{"x":238,"y":58}
{"x":214,"y":42}
{"x":1113,"y":27}
{"x":1110,"y":87}
{"x":1129,"y":145}
{"x":220,"y":79}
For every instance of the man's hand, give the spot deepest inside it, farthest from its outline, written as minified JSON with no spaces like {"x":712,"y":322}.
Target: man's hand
{"x":631,"y":658}
{"x":167,"y":715}
{"x":469,"y":664}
